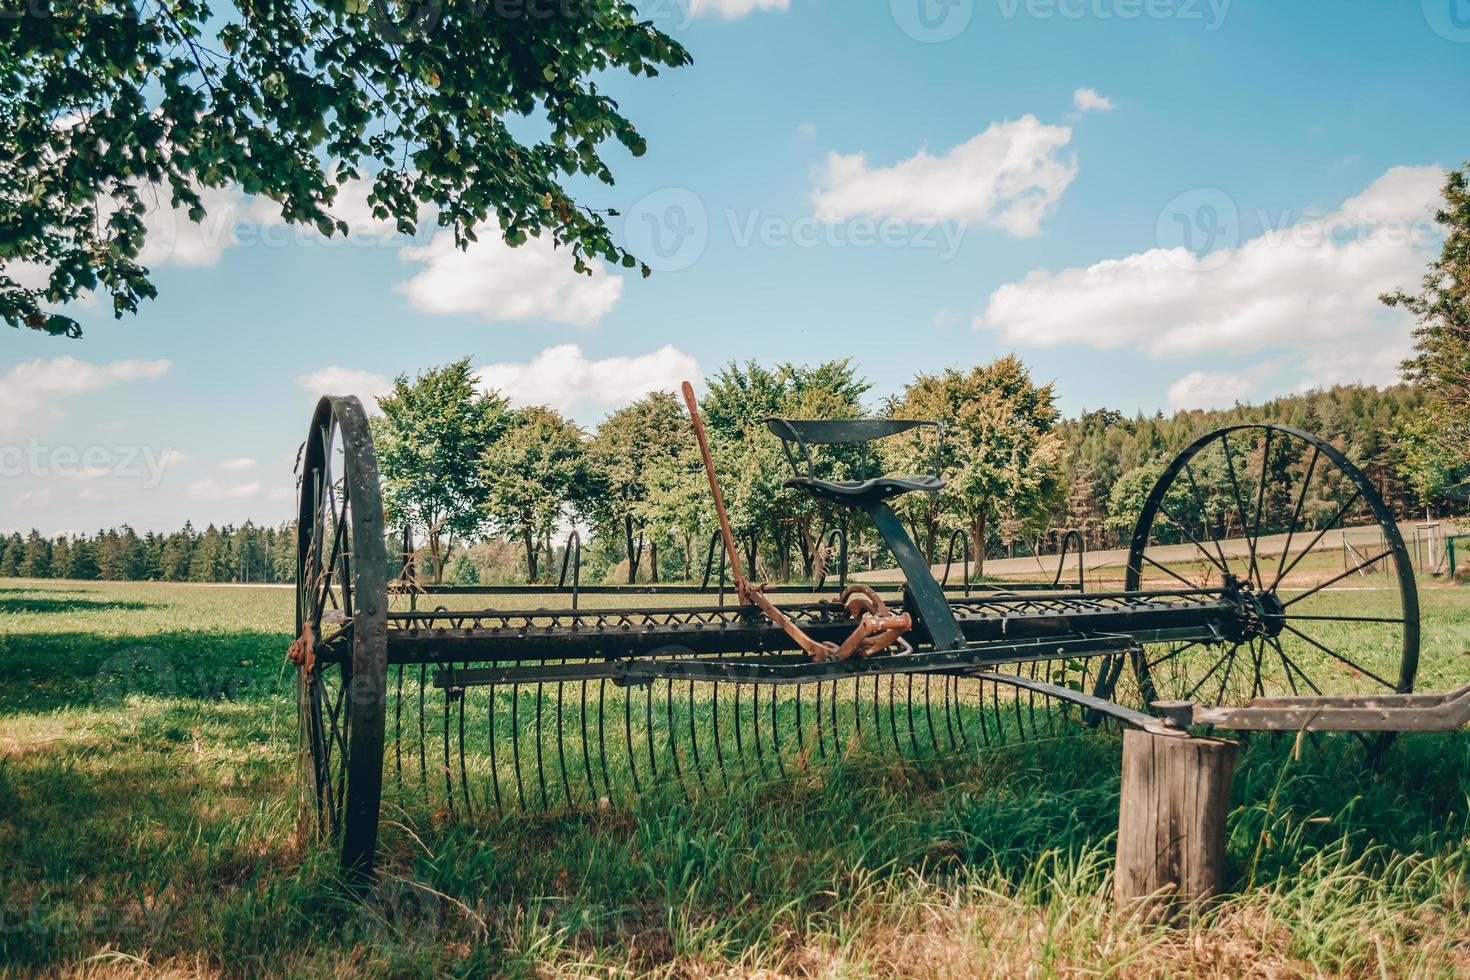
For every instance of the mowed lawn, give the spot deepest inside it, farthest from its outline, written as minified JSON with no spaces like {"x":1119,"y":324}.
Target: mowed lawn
{"x":148,"y":823}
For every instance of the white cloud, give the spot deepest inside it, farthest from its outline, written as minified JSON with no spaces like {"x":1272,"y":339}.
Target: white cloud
{"x":36,"y":387}
{"x":1089,"y":100}
{"x":1219,"y":389}
{"x":92,"y":495}
{"x":1311,"y":287}
{"x":733,"y":9}
{"x":565,"y":379}
{"x":535,"y":281}
{"x":335,"y":380}
{"x":237,"y":465}
{"x":36,"y":498}
{"x":171,"y":457}
{"x":1009,"y":176}
{"x":212,"y":489}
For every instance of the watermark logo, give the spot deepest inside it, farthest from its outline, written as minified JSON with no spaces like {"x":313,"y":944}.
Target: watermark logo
{"x":1450,"y":19}
{"x":668,"y":229}
{"x":402,"y":912}
{"x":932,"y":21}
{"x":1204,"y":223}
{"x":1210,"y":14}
{"x":140,"y":671}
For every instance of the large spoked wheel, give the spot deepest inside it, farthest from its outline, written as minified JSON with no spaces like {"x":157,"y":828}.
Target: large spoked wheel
{"x":341,"y":618}
{"x":1286,"y":524}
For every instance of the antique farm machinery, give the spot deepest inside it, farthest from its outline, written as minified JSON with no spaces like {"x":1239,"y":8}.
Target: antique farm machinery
{"x":577,"y":696}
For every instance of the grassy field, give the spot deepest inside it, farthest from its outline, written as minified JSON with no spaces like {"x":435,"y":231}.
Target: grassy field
{"x":158,"y":832}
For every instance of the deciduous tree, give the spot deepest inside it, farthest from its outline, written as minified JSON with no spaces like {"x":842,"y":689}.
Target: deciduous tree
{"x":431,"y":439}
{"x":109,"y":108}
{"x":535,"y":475}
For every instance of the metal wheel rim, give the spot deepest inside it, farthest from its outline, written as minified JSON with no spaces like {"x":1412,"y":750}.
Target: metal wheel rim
{"x":1323,"y":454}
{"x":341,"y":701}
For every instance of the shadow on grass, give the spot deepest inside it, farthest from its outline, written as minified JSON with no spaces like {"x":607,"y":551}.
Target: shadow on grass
{"x":47,"y":671}
{"x":70,"y":605}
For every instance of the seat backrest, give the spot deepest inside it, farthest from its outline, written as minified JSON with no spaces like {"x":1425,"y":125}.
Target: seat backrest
{"x":829,"y":432}
{"x":833,"y":432}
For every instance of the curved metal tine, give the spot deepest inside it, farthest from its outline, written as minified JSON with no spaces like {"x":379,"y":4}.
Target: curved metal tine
{"x":1204,"y":512}
{"x":494,"y":738}
{"x":755,"y":726}
{"x":715,"y":726}
{"x":627,"y":693}
{"x":448,"y":771}
{"x":515,"y":740}
{"x":892,"y":720}
{"x":673,"y":732}
{"x":739,"y":736}
{"x":800,"y":735}
{"x":776,"y":733}
{"x":602,"y":736}
{"x":951,"y":710}
{"x":909,"y":694}
{"x":694,"y":740}
{"x":592,"y":793}
{"x":996,"y":715}
{"x":540,"y":765}
{"x":648,"y":733}
{"x":561,"y":742}
{"x":423,"y":735}
{"x":929,"y":714}
{"x":817,"y":722}
{"x":398,"y":731}
{"x":464,"y":783}
{"x":1296,"y":516}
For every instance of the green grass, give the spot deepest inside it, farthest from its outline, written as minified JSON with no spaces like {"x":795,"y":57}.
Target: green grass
{"x":148,"y":821}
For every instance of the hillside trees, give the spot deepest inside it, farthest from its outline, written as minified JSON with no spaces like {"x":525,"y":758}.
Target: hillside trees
{"x":108,"y":106}
{"x":431,"y":437}
{"x":1437,"y":437}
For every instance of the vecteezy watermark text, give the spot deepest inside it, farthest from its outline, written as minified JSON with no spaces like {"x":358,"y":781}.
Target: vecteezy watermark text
{"x":146,"y":464}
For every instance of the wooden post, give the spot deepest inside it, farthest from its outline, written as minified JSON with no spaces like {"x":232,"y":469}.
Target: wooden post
{"x":1171,"y":821}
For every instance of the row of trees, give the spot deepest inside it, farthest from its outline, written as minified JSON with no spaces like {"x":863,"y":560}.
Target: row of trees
{"x":459,"y":464}
{"x":491,"y":491}
{"x":248,"y":553}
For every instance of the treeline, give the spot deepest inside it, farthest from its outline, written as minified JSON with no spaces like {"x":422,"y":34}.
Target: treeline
{"x":491,"y":492}
{"x":248,"y":553}
{"x":1104,"y":449}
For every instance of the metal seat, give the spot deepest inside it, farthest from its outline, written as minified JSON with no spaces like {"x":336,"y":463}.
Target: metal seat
{"x":857,"y":493}
{"x":852,"y":493}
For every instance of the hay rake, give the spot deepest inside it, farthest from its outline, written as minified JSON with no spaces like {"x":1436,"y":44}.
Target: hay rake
{"x":583,"y":697}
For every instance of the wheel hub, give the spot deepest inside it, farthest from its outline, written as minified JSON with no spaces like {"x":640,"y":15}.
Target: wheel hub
{"x":1258,"y":613}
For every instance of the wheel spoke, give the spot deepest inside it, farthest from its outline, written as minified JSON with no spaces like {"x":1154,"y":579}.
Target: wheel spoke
{"x":1357,"y":494}
{"x":1296,"y":514}
{"x":1170,"y":571}
{"x":1185,"y":528}
{"x":1176,"y":651}
{"x":1204,"y":513}
{"x":1252,"y":573}
{"x":1227,"y":655}
{"x":1337,"y":656}
{"x":1260,"y":500}
{"x":1338,"y":578}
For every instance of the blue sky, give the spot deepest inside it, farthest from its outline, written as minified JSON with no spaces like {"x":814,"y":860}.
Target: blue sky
{"x":1161,"y":204}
